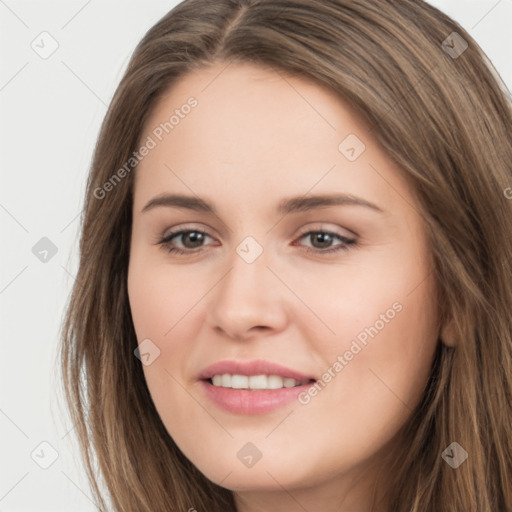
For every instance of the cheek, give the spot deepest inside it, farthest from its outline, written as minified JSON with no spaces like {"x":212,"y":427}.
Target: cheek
{"x":159,"y":299}
{"x":160,"y":306}
{"x":380,"y":361}
{"x":387,"y":308}
{"x":378,"y":355}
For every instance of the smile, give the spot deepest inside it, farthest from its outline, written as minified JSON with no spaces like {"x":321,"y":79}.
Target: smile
{"x":252,"y":387}
{"x":255,"y":381}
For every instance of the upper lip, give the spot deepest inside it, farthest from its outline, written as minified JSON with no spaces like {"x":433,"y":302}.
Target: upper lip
{"x":256,"y":367}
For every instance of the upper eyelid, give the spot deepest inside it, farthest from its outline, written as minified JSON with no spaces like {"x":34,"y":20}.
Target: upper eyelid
{"x":181,"y":230}
{"x":177,"y":232}
{"x":319,"y":227}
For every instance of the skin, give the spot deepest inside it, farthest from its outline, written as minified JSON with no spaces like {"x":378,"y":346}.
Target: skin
{"x":255,"y":138}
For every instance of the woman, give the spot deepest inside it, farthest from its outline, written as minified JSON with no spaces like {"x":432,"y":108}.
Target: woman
{"x":367,"y":368}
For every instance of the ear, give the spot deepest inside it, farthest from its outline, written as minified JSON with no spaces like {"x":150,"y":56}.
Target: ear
{"x":448,"y":333}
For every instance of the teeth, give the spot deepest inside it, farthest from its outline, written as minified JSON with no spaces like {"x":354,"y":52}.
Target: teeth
{"x":258,"y":382}
{"x":239,"y":381}
{"x":289,"y":383}
{"x":274,"y":382}
{"x":254,"y":381}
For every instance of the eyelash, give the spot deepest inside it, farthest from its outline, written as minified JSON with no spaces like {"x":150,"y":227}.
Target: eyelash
{"x":346,"y":242}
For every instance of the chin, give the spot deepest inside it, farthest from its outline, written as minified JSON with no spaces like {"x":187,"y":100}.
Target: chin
{"x":263,"y":476}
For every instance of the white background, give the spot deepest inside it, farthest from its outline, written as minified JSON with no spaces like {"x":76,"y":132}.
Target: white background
{"x":50,"y":114}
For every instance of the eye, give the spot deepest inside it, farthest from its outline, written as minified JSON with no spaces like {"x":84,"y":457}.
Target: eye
{"x":324,"y":239}
{"x":192,"y":240}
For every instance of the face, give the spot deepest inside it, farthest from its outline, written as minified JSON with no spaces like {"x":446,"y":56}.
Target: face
{"x":290,"y":337}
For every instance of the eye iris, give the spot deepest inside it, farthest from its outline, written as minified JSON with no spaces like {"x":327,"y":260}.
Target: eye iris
{"x":195,"y":236}
{"x":325,"y":239}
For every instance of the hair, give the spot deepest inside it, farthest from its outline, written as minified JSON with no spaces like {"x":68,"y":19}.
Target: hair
{"x":446,"y":121}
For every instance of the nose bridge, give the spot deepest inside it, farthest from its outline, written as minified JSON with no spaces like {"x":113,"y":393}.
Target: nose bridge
{"x":248,"y":274}
{"x":248,"y":295}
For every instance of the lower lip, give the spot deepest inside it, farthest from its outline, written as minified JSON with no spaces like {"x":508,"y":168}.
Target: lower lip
{"x":243,"y":401}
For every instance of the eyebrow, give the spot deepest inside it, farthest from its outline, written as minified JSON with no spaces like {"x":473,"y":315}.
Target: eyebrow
{"x":288,"y":205}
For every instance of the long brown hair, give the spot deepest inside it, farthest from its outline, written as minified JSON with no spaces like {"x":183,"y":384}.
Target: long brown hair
{"x":442,"y":113}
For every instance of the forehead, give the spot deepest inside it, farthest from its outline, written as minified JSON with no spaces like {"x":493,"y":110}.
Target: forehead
{"x":242,"y":103}
{"x":253,"y":130}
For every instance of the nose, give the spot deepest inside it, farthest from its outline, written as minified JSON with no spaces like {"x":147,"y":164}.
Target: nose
{"x":249,"y":300}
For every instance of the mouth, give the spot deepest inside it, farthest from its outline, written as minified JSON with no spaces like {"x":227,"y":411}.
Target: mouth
{"x":252,"y":387}
{"x":256,"y":382}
